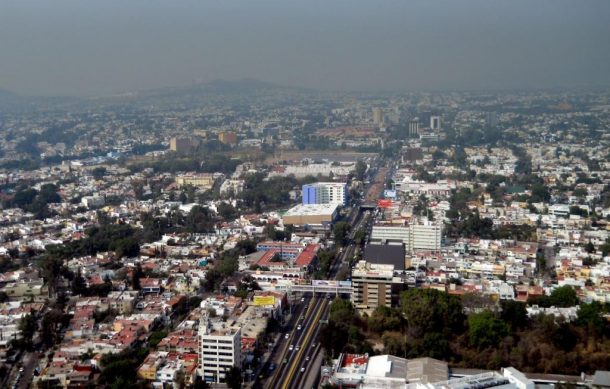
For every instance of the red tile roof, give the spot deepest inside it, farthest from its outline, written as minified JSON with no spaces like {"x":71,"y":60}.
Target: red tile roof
{"x":307,"y":256}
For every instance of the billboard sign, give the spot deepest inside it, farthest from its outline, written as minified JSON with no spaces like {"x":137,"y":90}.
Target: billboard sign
{"x":389,"y":194}
{"x":384,"y":203}
{"x":323,"y":283}
{"x":261,"y":301}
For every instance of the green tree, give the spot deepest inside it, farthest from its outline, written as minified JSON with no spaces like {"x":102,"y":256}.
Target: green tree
{"x":340,"y":231}
{"x":28,"y":326}
{"x":564,"y":296}
{"x":385,"y":319}
{"x":428,"y":310}
{"x":359,"y":236}
{"x":590,"y":247}
{"x":213,"y":279}
{"x":156,"y":337}
{"x":360,"y":170}
{"x":227,"y":211}
{"x":135,"y":277}
{"x":540,"y":193}
{"x":590,"y":316}
{"x":99,"y":172}
{"x":52,"y":323}
{"x":333,"y":337}
{"x":514,"y":313}
{"x":199,"y":220}
{"x":485,"y":330}
{"x":78,"y":284}
{"x":126,"y":247}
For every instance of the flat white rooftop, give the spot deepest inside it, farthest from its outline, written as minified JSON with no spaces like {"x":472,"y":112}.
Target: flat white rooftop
{"x":312,"y":209}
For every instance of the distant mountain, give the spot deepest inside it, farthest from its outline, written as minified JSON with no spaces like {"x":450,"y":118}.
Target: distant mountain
{"x":220,"y":87}
{"x":13,"y":102}
{"x":241,"y":90}
{"x":6,"y":94}
{"x":240,"y":85}
{"x":9,"y":100}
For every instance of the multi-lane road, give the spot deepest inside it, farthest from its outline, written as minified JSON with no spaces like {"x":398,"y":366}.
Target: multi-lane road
{"x":295,"y":357}
{"x":302,"y":345}
{"x":299,"y":348}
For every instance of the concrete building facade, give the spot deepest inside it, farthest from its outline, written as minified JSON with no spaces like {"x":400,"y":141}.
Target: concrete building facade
{"x":219,"y":349}
{"x":416,"y":237}
{"x":325,"y":193}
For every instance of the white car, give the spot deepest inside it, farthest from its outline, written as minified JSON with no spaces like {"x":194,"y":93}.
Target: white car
{"x":296,"y":348}
{"x":287,"y":336}
{"x":307,"y":358}
{"x":291,"y":348}
{"x":302,"y":370}
{"x":299,"y":327}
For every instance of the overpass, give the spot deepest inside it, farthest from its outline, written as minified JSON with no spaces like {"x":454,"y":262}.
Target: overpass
{"x":336,"y":289}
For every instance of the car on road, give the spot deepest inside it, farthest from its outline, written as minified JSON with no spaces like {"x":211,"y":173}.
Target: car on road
{"x":291,"y":347}
{"x":302,"y":299}
{"x":297,"y":348}
{"x":313,"y":345}
{"x":287,"y":335}
{"x":302,"y":370}
{"x":299,"y":327}
{"x":307,"y":358}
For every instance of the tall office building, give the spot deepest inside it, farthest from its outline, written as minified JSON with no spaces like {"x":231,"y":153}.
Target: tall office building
{"x":227,"y":137}
{"x":219,"y":349}
{"x":426,"y":236}
{"x":414,"y":127}
{"x":377,"y":116}
{"x":491,"y":119}
{"x":325,"y":193}
{"x":377,"y":280}
{"x":180,"y":145}
{"x":435,"y":122}
{"x":372,"y":285}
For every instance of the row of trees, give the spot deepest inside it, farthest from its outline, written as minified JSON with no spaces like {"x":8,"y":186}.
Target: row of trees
{"x":473,"y":225}
{"x":35,"y":201}
{"x":172,"y":163}
{"x":431,"y":323}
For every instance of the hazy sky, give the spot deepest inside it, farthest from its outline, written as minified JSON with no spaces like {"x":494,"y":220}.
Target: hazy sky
{"x":87,"y":47}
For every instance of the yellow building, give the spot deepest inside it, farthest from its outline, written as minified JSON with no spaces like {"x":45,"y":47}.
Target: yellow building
{"x":227,"y":137}
{"x":180,"y":145}
{"x":201,"y":181}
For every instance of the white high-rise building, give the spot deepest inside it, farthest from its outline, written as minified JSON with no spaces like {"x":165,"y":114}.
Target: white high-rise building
{"x":392,"y":233}
{"x":414,"y":127}
{"x":378,"y":116}
{"x":425,"y":236}
{"x":219,"y":349}
{"x":435,"y":122}
{"x":325,"y":193}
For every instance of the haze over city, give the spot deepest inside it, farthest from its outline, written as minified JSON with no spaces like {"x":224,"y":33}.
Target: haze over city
{"x":106,"y":47}
{"x":325,"y":194}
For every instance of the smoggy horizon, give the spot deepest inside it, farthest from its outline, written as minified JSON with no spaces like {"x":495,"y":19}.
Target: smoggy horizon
{"x":107,"y":47}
